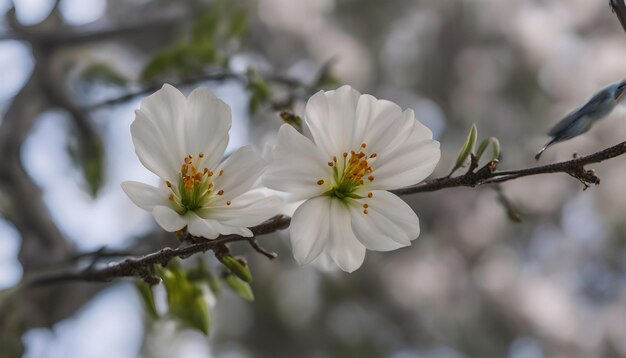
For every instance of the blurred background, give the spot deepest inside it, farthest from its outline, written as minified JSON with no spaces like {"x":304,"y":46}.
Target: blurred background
{"x":534,"y":269}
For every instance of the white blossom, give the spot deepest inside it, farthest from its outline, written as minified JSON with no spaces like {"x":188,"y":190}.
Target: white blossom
{"x":361,"y":147}
{"x":182,"y":140}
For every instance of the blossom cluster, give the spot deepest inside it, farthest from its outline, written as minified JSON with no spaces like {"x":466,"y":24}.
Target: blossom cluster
{"x":361,"y":147}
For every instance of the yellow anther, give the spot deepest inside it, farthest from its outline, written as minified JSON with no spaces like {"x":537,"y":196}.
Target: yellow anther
{"x":210,"y":173}
{"x":370,"y":194}
{"x":365,"y":206}
{"x":320,"y":182}
{"x":365,"y":211}
{"x":363,"y":145}
{"x":228,"y":202}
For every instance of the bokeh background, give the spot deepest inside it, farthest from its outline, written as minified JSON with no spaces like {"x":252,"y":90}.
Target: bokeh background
{"x":475,"y":284}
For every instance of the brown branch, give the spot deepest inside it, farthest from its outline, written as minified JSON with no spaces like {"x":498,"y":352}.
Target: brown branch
{"x":141,"y":266}
{"x":489,"y":175}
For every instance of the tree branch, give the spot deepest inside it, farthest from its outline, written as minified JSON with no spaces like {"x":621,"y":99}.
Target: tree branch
{"x":141,"y":266}
{"x":489,"y":175}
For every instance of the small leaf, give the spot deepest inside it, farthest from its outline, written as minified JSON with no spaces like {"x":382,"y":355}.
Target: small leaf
{"x":254,"y":103}
{"x":236,"y":267}
{"x":467,"y":148}
{"x":495,"y":149}
{"x":482,"y":147}
{"x":147,"y":296}
{"x":240,"y":287}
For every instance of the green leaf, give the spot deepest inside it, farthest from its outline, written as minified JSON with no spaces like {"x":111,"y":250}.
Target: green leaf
{"x":495,"y":149}
{"x":238,"y":24}
{"x":467,"y":148}
{"x":240,"y":287}
{"x":147,"y":296}
{"x":482,"y":147}
{"x":254,"y":103}
{"x":86,"y":152}
{"x":102,"y":73}
{"x":236,"y":267}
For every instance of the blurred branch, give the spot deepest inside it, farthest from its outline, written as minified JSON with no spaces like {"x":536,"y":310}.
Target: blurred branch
{"x":66,"y":36}
{"x":216,"y":74}
{"x":619,"y":8}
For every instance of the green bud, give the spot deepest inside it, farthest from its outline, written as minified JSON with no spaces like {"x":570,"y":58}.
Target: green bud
{"x":467,"y":148}
{"x":240,"y":287}
{"x":147,"y":296}
{"x":495,"y":148}
{"x":482,"y":147}
{"x":236,"y":267}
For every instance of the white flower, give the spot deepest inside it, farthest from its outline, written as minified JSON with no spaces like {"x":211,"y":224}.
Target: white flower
{"x":362,"y":147}
{"x":182,"y":140}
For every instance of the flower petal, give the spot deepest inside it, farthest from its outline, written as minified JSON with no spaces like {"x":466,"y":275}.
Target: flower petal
{"x":143,"y":195}
{"x":409,"y":163}
{"x":343,"y":246}
{"x":168,"y":219}
{"x":402,"y":224}
{"x":245,"y":212}
{"x":380,"y":124}
{"x":377,"y":229}
{"x":166,"y":108}
{"x":309,"y":229}
{"x":211,"y":229}
{"x":297,"y":165}
{"x":207,"y":122}
{"x":241,"y":171}
{"x":206,"y":228}
{"x":155,"y":148}
{"x":330,"y":116}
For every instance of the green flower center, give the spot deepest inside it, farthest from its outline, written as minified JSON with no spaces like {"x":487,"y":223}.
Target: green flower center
{"x":195,"y":186}
{"x":350,"y":174}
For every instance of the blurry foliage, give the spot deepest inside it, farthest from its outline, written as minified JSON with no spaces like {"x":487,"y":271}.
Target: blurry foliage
{"x":88,"y":155}
{"x":102,"y":73}
{"x":187,"y":290}
{"x":259,"y":90}
{"x":212,"y":31}
{"x":185,"y":299}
